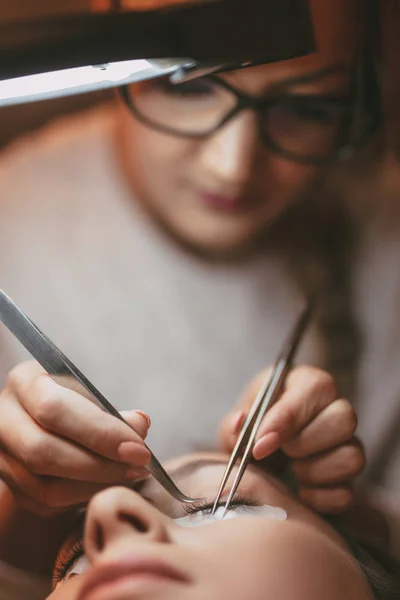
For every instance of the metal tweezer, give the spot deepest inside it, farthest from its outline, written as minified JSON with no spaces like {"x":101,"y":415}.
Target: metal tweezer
{"x":64,"y":372}
{"x":267,"y":396}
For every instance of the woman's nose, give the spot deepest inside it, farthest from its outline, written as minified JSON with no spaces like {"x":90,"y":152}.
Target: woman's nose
{"x":117,"y":513}
{"x":229,"y":155}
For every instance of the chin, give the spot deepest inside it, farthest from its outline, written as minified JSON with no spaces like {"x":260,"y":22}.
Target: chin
{"x":221,"y":245}
{"x":212,"y":238}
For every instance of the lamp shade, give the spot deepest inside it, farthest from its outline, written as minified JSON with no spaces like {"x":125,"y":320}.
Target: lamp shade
{"x":83,"y":52}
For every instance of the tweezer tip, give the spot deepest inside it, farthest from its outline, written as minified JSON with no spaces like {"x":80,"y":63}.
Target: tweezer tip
{"x":187,"y":500}
{"x":225,"y":511}
{"x":216,"y":503}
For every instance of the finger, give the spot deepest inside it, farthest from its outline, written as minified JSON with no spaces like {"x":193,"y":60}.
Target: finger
{"x":46,"y":454}
{"x":331,"y":500}
{"x":251,"y":391}
{"x":230,"y":429}
{"x":339,"y":465}
{"x":70,"y":415}
{"x":233,"y":422}
{"x":36,"y":508}
{"x":30,"y":370}
{"x":335,"y":425}
{"x":138,"y":420}
{"x":17,"y":477}
{"x":308,"y":391}
{"x":268,"y":444}
{"x":39,"y":493}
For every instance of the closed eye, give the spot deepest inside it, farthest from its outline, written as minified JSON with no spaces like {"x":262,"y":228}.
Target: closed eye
{"x":319,"y":109}
{"x":71,"y":551}
{"x":206,"y":507}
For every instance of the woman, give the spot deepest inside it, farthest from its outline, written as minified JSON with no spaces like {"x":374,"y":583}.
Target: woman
{"x":187,"y":250}
{"x":57,"y":450}
{"x":269,"y":545}
{"x":167,"y":264}
{"x":187,"y":254}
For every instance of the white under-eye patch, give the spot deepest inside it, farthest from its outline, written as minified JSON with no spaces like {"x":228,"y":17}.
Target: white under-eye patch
{"x":80,"y":566}
{"x":202,"y":518}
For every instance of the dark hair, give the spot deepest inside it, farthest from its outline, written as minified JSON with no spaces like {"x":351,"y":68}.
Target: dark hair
{"x":380,"y":568}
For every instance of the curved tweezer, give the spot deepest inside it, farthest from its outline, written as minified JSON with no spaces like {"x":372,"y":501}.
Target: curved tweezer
{"x":64,"y":372}
{"x":267,"y":396}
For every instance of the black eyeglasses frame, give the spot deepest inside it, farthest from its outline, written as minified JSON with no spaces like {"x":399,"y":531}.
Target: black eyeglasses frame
{"x":259,"y":106}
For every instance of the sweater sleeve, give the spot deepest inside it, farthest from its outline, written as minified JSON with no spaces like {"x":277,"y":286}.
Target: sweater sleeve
{"x":389,"y":504}
{"x":20,"y":585}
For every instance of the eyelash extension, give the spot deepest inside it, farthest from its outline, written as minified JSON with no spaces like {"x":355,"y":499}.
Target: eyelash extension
{"x":206,"y":507}
{"x":64,"y":565}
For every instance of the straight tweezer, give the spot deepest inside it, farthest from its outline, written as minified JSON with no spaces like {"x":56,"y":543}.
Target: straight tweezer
{"x":64,"y":372}
{"x":267,"y":396}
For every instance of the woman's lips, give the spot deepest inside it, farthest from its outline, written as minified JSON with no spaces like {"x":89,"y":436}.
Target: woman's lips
{"x":118,"y":580}
{"x":228,"y":204}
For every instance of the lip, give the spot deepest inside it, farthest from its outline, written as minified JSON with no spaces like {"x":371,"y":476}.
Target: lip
{"x":222,"y":202}
{"x":139,"y":567}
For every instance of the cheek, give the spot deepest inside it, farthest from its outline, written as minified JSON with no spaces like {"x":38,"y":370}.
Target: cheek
{"x":288,"y":180}
{"x":151,"y":152}
{"x":231,"y":557}
{"x":69,"y":590}
{"x":218,"y":542}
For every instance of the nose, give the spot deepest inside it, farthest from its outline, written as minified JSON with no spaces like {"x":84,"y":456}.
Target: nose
{"x":117,"y":513}
{"x":229,"y":155}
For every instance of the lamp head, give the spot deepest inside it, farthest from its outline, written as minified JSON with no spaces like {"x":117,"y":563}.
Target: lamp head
{"x":66,"y":55}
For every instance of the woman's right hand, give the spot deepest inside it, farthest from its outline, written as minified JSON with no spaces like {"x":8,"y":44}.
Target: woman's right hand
{"x":57,"y":448}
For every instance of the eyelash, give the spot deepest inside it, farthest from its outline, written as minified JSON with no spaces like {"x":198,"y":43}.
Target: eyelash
{"x":206,"y":507}
{"x":77,"y":550}
{"x":64,"y":565}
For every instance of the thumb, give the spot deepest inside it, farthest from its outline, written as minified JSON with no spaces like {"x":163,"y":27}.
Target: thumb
{"x":138,"y":420}
{"x":233,"y":422}
{"x":308,"y":391}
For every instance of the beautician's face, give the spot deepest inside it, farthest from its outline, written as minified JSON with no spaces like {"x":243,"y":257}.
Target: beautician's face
{"x":220,"y":194}
{"x":137,"y":551}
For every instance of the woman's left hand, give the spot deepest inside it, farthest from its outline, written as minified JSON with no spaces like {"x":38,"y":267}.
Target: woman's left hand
{"x":314,"y":429}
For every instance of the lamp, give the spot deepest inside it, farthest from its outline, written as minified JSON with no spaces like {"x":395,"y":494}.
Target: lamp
{"x":72,"y":54}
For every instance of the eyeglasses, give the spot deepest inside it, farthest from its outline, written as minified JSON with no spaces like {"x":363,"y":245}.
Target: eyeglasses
{"x":306,"y":128}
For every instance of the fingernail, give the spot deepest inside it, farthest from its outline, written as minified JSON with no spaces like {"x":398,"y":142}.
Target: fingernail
{"x":145,"y":415}
{"x":268,"y":444}
{"x":134,"y":473}
{"x":237,"y":422}
{"x":133,"y":452}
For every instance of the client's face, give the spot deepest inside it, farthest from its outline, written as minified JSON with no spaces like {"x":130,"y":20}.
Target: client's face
{"x":138,"y":548}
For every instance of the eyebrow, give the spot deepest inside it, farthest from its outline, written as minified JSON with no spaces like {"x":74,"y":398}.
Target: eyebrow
{"x":313,"y":76}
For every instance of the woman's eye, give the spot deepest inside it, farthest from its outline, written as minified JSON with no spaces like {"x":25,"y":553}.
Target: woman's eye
{"x":71,"y":561}
{"x":314,"y":110}
{"x":202,"y":511}
{"x":80,"y":565}
{"x":313,"y":113}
